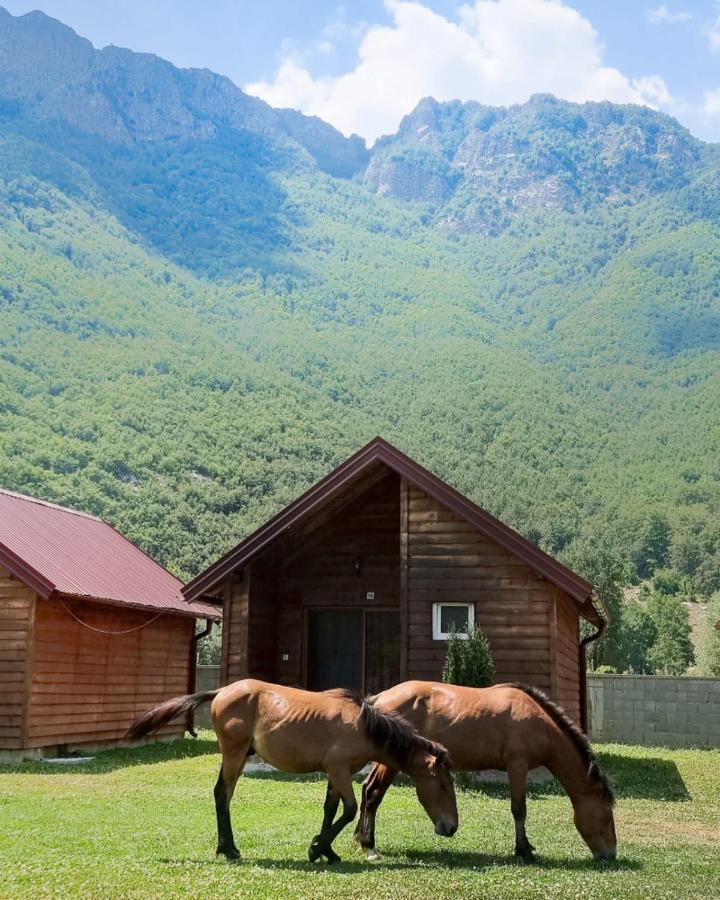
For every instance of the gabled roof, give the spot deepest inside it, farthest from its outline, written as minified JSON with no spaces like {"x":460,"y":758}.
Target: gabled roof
{"x":56,"y":550}
{"x":379,"y":451}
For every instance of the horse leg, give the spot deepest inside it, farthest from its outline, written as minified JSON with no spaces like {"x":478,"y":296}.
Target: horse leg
{"x":230,"y":771}
{"x":332,"y":801}
{"x":374,"y":789}
{"x":517,"y":776}
{"x":342,"y":788}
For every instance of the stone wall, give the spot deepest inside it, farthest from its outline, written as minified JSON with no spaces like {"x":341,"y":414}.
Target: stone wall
{"x":654,"y":710}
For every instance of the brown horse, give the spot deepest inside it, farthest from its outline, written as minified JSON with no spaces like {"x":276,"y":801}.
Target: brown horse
{"x":512,"y":727}
{"x":336,"y":732}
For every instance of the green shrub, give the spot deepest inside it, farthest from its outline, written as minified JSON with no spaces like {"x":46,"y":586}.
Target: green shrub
{"x":672,"y":652}
{"x":667,"y":581}
{"x":468,"y":660}
{"x":639,"y":633}
{"x":605,"y":670}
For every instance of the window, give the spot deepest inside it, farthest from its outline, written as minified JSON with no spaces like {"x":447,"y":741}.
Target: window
{"x":459,"y":617}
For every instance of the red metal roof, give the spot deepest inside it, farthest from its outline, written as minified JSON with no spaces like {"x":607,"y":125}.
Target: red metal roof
{"x":376,"y":451}
{"x":54,"y":549}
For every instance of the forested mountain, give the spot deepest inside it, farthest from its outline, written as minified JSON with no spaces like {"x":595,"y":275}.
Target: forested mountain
{"x":206,"y":303}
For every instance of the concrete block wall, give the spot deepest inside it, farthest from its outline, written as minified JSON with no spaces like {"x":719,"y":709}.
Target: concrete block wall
{"x":654,"y":710}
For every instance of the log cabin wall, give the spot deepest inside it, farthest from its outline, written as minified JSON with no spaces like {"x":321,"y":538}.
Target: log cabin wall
{"x":87,"y":687}
{"x":320,"y":570}
{"x":262,"y":659}
{"x":235,"y":627}
{"x":17,"y":609}
{"x":567,"y":659}
{"x":411,"y":551}
{"x":449,"y":560}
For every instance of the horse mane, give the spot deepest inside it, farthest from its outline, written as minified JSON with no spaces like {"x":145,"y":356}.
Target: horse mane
{"x":391,"y":731}
{"x":579,"y":740}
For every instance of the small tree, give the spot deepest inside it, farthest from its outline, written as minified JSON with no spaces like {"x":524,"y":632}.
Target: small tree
{"x":639,"y":633}
{"x":468,"y":660}
{"x":598,"y":559}
{"x":710,"y":646}
{"x":672,"y":652}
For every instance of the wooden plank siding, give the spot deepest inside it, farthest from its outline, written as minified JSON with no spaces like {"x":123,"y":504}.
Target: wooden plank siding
{"x":262,"y":623}
{"x":322,"y":573}
{"x":235,"y":627}
{"x":449,"y":560}
{"x":568,"y":656}
{"x":87,"y":686}
{"x":264,"y":605}
{"x":17,"y":607}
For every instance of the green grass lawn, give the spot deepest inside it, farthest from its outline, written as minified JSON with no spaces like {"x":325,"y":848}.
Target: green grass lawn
{"x":141,"y":823}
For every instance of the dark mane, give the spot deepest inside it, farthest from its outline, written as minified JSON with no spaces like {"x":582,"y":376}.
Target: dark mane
{"x":579,"y":740}
{"x":390,"y":732}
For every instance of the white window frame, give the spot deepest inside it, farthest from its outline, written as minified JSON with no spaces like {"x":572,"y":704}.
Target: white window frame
{"x":439,"y":635}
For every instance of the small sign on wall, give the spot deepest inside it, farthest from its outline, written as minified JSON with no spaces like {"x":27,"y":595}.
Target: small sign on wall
{"x":370,"y":595}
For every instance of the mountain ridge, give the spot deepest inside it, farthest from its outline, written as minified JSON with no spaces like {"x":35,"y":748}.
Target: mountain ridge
{"x":197,"y":326}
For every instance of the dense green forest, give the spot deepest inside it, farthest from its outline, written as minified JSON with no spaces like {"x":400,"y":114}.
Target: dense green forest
{"x":196,"y":325}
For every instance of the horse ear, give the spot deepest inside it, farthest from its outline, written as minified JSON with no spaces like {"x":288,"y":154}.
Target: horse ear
{"x":441,"y":761}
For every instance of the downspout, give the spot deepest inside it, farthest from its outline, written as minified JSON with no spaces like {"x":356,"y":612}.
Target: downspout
{"x":604,"y":622}
{"x":192,"y":674}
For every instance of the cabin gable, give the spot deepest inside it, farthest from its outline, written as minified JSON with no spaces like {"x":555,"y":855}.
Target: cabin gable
{"x":358,"y":582}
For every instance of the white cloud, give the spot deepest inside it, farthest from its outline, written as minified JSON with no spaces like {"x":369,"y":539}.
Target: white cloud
{"x":711,"y":103}
{"x":654,"y":91}
{"x":498,"y":52}
{"x":713,"y":35}
{"x":661,"y":15}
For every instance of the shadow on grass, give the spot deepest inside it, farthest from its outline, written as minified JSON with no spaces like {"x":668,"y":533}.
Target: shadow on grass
{"x":632,"y":778}
{"x":445,"y":859}
{"x":645,"y":779}
{"x":121,"y":758}
{"x":299,"y":865}
{"x":453,"y":860}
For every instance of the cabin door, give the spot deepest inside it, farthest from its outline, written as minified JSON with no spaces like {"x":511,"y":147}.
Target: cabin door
{"x":335,"y":639}
{"x":353,"y":648}
{"x":382,"y":650}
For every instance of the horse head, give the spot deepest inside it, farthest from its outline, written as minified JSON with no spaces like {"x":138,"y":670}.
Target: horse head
{"x":432,"y":773}
{"x":593,"y":815}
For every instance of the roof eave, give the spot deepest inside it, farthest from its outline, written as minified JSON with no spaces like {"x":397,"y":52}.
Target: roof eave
{"x":24,"y":572}
{"x":188,"y":612}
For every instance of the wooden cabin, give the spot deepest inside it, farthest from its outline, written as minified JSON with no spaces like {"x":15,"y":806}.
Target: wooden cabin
{"x":358,"y":582}
{"x":92,"y":631}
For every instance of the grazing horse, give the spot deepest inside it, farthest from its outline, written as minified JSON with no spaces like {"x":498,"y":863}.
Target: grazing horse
{"x":509,"y":726}
{"x":336,"y":732}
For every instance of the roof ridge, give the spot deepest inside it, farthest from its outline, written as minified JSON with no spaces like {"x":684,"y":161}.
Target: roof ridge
{"x":48,"y":503}
{"x":380,"y":450}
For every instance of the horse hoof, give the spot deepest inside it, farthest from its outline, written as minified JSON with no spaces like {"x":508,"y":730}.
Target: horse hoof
{"x":371,"y":854}
{"x":332,"y":857}
{"x":314,"y":850}
{"x":231,"y":854}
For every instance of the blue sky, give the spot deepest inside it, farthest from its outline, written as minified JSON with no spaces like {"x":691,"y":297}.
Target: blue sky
{"x":362,"y":65}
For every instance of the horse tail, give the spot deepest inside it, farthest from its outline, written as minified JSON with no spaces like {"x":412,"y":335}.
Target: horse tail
{"x":165,"y":712}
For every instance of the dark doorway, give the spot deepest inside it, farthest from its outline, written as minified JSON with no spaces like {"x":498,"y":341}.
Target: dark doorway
{"x":335,"y":642}
{"x":353,"y":648}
